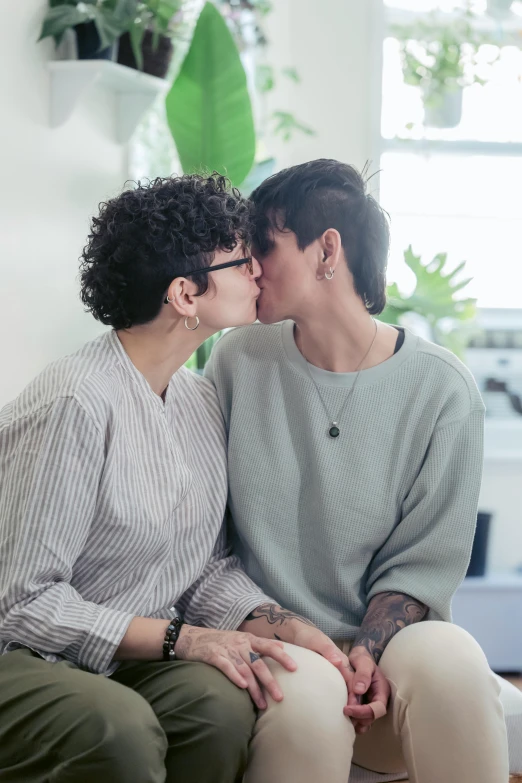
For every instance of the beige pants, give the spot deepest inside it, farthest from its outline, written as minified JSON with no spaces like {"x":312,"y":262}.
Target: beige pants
{"x":445,"y":722}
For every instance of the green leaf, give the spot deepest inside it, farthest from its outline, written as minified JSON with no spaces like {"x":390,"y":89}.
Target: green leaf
{"x":61,"y":18}
{"x":124,"y":13}
{"x":286,"y":125}
{"x":292,"y":74}
{"x":433,"y":297}
{"x":265,"y":80}
{"x":209,"y":111}
{"x":109,"y":28}
{"x":136,"y":34}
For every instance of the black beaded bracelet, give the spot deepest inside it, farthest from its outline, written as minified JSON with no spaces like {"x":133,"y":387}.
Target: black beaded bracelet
{"x":171,"y":637}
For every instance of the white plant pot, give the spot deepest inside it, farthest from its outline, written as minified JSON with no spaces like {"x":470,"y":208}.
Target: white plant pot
{"x":499,"y":8}
{"x":447,"y":114}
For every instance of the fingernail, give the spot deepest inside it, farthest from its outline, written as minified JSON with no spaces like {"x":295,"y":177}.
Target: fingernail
{"x":335,"y":659}
{"x":360,"y":688}
{"x":262,"y":705}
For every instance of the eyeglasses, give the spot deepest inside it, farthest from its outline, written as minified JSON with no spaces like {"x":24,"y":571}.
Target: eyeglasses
{"x":238,"y":262}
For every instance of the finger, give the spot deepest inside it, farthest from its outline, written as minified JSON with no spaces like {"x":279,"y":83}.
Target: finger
{"x":267,"y":647}
{"x":331,"y":652}
{"x":364,"y":668}
{"x":359,"y":712}
{"x":380,"y":689}
{"x":353,"y":699}
{"x":346,"y":670}
{"x":378,"y":708}
{"x":264,"y":675}
{"x":229,"y":670}
{"x":254,"y":689}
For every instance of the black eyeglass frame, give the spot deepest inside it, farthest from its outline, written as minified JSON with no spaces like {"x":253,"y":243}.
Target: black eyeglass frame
{"x":237,"y":262}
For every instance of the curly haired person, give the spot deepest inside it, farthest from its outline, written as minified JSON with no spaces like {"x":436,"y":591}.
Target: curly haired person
{"x":113,"y":485}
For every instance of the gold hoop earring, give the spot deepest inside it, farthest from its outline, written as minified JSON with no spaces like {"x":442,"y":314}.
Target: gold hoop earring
{"x":329,"y":274}
{"x":191,"y":328}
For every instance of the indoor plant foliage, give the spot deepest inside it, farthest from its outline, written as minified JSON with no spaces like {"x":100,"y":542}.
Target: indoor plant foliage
{"x":441,"y":58}
{"x":209,"y":110}
{"x":434,"y":298}
{"x":107,"y":19}
{"x":148,"y":43}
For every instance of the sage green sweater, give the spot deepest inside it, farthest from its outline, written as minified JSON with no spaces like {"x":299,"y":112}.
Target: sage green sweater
{"x":323,"y":525}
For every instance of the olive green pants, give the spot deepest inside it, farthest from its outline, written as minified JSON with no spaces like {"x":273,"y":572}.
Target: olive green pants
{"x":149,"y":723}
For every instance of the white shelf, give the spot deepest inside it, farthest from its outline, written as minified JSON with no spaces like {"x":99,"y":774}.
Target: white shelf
{"x":134,"y":91}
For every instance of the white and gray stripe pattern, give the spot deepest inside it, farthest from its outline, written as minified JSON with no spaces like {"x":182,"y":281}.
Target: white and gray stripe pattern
{"x":111,"y":506}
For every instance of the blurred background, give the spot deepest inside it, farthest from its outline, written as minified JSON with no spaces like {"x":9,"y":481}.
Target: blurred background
{"x":426,"y":95}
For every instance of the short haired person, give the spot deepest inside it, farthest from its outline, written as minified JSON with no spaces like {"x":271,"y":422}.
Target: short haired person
{"x":355,"y":459}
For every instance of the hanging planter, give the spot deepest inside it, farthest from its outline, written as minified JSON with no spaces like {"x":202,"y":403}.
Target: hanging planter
{"x":445,"y":111}
{"x":499,"y":8}
{"x":156,"y":54}
{"x":441,"y":58}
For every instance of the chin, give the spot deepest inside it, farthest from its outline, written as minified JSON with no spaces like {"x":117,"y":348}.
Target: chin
{"x":251,"y":318}
{"x":264,"y":316}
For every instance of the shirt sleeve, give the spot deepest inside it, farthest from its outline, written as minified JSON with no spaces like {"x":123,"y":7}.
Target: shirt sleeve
{"x":427,"y":554}
{"x":50,"y":468}
{"x":223,"y":595}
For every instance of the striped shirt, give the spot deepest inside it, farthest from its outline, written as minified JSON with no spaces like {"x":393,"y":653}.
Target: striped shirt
{"x":111,"y":507}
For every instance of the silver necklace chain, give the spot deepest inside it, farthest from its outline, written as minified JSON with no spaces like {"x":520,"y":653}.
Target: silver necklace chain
{"x":334,"y":429}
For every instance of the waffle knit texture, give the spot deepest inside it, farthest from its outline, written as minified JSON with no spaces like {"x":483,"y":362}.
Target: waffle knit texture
{"x":323,"y":525}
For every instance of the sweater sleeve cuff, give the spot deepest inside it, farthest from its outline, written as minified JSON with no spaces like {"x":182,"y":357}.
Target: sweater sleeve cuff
{"x":240,"y":609}
{"x":99,"y":648}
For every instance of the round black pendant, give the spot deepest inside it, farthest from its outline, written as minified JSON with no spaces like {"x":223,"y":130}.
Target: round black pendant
{"x":334,"y":432}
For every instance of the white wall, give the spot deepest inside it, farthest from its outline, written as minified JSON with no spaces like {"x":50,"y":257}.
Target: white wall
{"x":335,"y":45}
{"x":51,"y":182}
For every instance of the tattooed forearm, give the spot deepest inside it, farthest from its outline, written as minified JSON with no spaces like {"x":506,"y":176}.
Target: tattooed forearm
{"x":387,"y":614}
{"x":274,"y":615}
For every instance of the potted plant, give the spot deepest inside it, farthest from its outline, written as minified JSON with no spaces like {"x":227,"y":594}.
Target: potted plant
{"x":98,"y":25}
{"x":441,"y":59}
{"x":499,"y":8}
{"x":434,"y":300}
{"x":147,"y":45}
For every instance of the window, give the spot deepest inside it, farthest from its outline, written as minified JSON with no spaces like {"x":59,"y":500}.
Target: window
{"x":455,"y":184}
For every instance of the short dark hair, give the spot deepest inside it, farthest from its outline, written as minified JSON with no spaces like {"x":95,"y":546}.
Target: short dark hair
{"x":157,"y":231}
{"x":312,"y":197}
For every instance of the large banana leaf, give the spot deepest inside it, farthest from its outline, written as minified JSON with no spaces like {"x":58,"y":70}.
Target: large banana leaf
{"x":209,"y":111}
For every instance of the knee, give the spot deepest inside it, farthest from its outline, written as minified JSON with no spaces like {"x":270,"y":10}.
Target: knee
{"x":313,"y":700}
{"x":122,"y":736}
{"x":436,"y":656}
{"x":226,"y":717}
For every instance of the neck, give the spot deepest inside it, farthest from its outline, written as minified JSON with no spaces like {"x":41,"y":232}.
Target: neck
{"x":337,"y":336}
{"x":158,"y":349}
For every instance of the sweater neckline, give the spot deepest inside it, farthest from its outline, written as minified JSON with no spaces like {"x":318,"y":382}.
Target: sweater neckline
{"x":344,"y":379}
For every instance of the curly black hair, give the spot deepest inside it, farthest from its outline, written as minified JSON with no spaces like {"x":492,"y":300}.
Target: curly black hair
{"x":147,"y":236}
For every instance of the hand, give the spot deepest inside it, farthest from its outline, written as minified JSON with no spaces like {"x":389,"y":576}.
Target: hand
{"x":368,"y":682}
{"x":313,"y":639}
{"x":304,"y":635}
{"x":238,"y":656}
